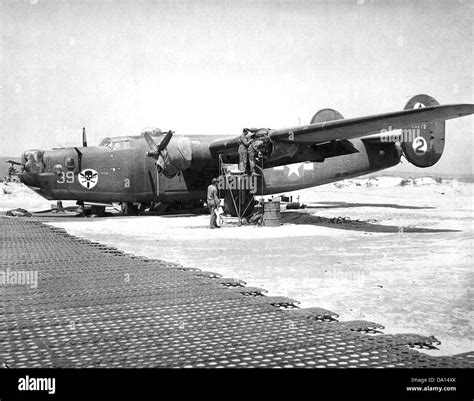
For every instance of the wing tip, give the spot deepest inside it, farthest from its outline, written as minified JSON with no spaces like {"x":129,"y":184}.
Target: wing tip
{"x":465,"y":109}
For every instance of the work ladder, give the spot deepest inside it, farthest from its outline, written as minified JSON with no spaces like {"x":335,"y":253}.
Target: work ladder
{"x":237,"y":196}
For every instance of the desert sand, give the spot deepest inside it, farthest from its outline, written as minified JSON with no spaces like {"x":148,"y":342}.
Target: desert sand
{"x":402,"y":256}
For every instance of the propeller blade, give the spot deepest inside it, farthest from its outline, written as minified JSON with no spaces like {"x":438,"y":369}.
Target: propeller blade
{"x":150,"y":141}
{"x":165,"y":141}
{"x":157,"y":149}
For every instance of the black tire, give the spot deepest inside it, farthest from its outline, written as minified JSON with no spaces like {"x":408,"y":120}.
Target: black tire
{"x":129,"y":209}
{"x":143,"y":207}
{"x":99,"y":211}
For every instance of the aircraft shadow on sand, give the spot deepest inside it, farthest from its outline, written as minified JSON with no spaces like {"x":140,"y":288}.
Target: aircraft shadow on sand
{"x":335,"y":205}
{"x":344,"y":223}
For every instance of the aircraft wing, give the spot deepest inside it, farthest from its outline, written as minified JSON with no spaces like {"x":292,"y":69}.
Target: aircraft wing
{"x":356,"y":127}
{"x":364,"y":126}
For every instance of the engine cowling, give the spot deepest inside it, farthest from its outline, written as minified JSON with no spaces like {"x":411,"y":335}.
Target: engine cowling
{"x":177,"y":156}
{"x":171,"y":156}
{"x":423,"y":145}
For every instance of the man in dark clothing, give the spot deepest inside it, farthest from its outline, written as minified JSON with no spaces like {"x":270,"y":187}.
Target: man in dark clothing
{"x":213,"y":202}
{"x":258,"y":147}
{"x":244,"y":143}
{"x":253,"y":152}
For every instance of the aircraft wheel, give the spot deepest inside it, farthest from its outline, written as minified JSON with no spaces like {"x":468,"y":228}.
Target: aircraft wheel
{"x":99,"y":211}
{"x":129,"y":209}
{"x":80,"y":207}
{"x":142,"y":207}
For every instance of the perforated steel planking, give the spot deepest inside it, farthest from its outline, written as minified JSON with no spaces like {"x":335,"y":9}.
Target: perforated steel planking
{"x":96,"y":306}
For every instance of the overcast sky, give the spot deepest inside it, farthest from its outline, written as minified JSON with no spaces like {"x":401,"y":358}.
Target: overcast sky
{"x":214,"y":67}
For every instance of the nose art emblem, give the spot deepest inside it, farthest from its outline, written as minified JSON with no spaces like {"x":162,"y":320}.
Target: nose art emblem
{"x":88,"y":178}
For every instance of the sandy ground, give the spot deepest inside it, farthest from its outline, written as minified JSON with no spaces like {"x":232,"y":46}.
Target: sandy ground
{"x":402,"y":259}
{"x":14,"y":195}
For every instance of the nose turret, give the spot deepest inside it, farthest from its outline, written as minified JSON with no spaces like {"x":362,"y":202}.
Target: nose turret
{"x":33,"y":161}
{"x":32,"y":166}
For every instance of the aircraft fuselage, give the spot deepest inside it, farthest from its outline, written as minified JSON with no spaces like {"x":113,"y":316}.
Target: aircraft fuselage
{"x":121,"y":172}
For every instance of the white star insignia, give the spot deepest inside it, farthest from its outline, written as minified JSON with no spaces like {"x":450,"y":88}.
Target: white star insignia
{"x":294,"y":169}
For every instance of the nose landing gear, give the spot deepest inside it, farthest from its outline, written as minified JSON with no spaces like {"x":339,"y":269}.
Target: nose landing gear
{"x":129,"y":209}
{"x":98,"y":211}
{"x":95,"y":210}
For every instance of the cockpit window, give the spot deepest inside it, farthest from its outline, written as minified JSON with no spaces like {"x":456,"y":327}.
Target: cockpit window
{"x":115,"y":144}
{"x":106,"y":142}
{"x":120,"y":145}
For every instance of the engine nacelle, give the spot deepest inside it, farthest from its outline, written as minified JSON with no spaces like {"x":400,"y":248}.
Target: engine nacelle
{"x":423,"y":144}
{"x":177,"y":156}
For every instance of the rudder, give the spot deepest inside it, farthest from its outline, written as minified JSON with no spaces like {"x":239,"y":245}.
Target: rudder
{"x":423,"y":145}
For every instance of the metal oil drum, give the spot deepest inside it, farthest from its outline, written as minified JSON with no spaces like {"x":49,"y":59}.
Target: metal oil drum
{"x":271,"y":214}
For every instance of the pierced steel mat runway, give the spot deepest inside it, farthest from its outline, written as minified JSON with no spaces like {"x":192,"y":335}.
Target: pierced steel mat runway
{"x":95,"y":306}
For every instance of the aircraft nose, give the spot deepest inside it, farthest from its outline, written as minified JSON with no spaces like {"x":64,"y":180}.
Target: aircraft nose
{"x":33,"y":166}
{"x":29,"y":179}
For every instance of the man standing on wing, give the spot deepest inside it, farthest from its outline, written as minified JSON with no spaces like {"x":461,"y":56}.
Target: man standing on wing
{"x":258,"y":148}
{"x":244,"y":143}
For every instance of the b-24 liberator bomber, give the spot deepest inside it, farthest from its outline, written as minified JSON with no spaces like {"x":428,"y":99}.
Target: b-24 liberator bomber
{"x":158,"y":167}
